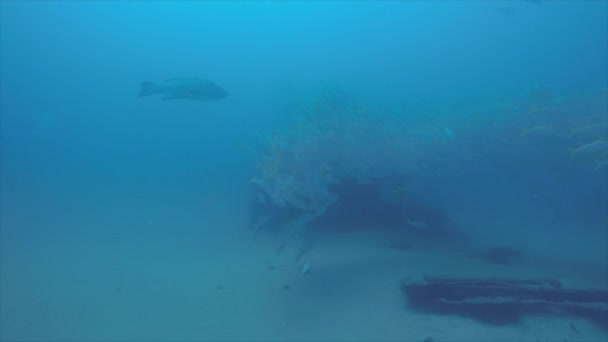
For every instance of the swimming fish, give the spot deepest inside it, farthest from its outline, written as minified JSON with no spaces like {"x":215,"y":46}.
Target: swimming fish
{"x":449,"y":133}
{"x":597,"y":129}
{"x":596,"y":146}
{"x":535,"y":129}
{"x":418,"y":225}
{"x":192,"y":88}
{"x":600,"y":164}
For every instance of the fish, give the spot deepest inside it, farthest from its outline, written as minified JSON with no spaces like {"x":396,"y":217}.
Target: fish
{"x":597,"y":129}
{"x":418,"y":225}
{"x":186,"y":88}
{"x":596,"y":146}
{"x":536,"y":129}
{"x":305,"y":269}
{"x":271,"y":265}
{"x":574,"y":328}
{"x":304,"y":248}
{"x":600,"y":164}
{"x":449,"y":133}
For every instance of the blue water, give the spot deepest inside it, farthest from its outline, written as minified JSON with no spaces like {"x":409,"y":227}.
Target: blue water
{"x":125,"y":217}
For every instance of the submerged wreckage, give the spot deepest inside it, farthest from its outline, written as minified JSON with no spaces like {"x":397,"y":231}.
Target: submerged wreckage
{"x":501,"y":301}
{"x":337,"y":165}
{"x":335,"y":161}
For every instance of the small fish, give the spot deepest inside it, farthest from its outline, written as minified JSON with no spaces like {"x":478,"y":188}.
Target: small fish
{"x":192,"y":88}
{"x":271,"y":265}
{"x":449,"y":133}
{"x":419,"y":225}
{"x":574,"y":328}
{"x":305,"y":268}
{"x":598,"y":129}
{"x":535,"y":129}
{"x":596,"y":146}
{"x":303,"y":249}
{"x":600,"y":164}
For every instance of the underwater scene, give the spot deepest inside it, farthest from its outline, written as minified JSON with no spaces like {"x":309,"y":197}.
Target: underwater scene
{"x":424,"y":171}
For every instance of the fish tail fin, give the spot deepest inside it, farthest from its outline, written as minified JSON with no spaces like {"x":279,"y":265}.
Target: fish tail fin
{"x":147,"y":88}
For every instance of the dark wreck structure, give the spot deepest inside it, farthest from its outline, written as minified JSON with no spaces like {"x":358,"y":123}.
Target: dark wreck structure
{"x":335,"y":165}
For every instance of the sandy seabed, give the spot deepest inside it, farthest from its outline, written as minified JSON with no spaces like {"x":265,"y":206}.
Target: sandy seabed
{"x":138,"y":270}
